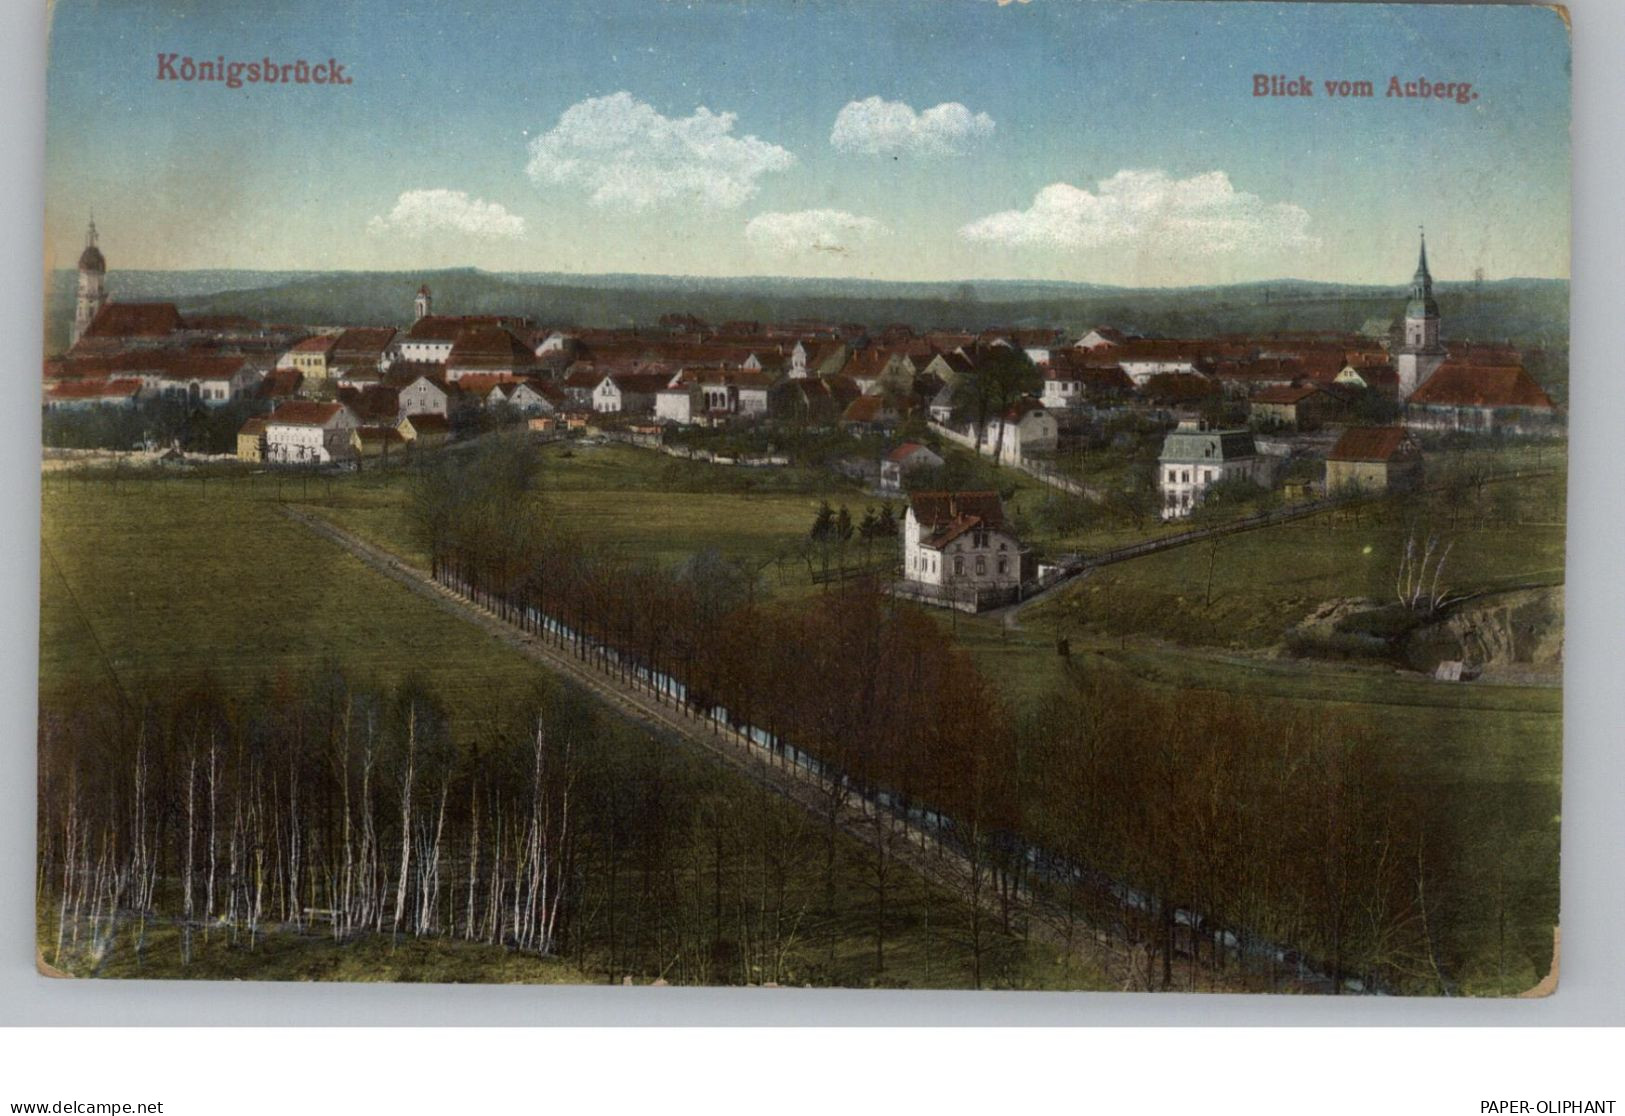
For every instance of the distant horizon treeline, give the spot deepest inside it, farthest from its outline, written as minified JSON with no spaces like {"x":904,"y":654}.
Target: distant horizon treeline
{"x":1529,"y":313}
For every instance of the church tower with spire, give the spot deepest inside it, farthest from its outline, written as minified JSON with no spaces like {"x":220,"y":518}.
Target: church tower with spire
{"x":1422,"y":353}
{"x":423,"y":304}
{"x":92,"y":286}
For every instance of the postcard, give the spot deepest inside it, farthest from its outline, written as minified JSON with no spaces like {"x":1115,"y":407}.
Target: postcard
{"x":927,"y":494}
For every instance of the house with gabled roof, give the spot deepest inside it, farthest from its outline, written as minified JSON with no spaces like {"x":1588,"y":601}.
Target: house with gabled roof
{"x":369,"y":347}
{"x":960,"y":542}
{"x":426,"y":395}
{"x":80,"y":395}
{"x":305,"y":432}
{"x":310,"y":356}
{"x":905,"y":459}
{"x":120,"y":325}
{"x":424,"y":430}
{"x":1296,"y":406}
{"x":210,"y":380}
{"x":630,"y":393}
{"x":1103,"y":337}
{"x":251,"y":440}
{"x":1374,"y":458}
{"x":1026,"y":428}
{"x":1482,"y":398}
{"x":488,"y":350}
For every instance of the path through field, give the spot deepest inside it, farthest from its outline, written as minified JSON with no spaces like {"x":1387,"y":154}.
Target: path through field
{"x":921,"y":850}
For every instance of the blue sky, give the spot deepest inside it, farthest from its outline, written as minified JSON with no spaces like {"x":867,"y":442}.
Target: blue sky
{"x":1098,"y":141}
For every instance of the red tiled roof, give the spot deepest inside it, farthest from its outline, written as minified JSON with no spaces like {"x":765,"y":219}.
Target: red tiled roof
{"x":1286,"y":394}
{"x":135,"y":319}
{"x":936,"y":509}
{"x":320,"y":344}
{"x":904,"y":451}
{"x":193,"y":366}
{"x":640,"y":383}
{"x":428,"y":424}
{"x":305,"y":412}
{"x":1458,"y":384}
{"x":281,"y":382}
{"x":372,"y":403}
{"x":93,"y":389}
{"x":871,"y":408}
{"x":447,"y":327}
{"x":489,"y":346}
{"x":1371,"y":443}
{"x":481,"y":383}
{"x":388,"y":434}
{"x":254,"y":426}
{"x":366,"y":341}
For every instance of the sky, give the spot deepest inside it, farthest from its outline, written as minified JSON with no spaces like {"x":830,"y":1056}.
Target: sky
{"x":1088,"y":140}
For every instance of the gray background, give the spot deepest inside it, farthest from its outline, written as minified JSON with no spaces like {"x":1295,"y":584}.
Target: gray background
{"x":1592,"y":990}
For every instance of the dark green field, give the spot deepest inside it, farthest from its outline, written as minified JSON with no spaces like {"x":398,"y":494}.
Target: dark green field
{"x":153,"y":584}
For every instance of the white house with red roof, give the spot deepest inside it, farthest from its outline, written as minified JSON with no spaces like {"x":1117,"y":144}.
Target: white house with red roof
{"x":631,"y":393}
{"x":304,"y":432}
{"x":904,"y":460}
{"x":1026,"y":428}
{"x":80,"y":395}
{"x":960,"y":542}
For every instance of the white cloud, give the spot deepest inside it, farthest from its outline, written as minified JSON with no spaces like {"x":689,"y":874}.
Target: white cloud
{"x":1201,"y":215}
{"x":876,"y":127}
{"x":811,"y":230}
{"x":422,"y":212}
{"x":625,"y":153}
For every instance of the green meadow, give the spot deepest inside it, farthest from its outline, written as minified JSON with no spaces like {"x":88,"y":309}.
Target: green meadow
{"x":152,"y":583}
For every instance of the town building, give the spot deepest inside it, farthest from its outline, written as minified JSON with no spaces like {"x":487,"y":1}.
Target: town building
{"x":82,"y":395}
{"x":1421,"y":351}
{"x":425,"y":395}
{"x":92,"y":288}
{"x":1294,"y":407}
{"x":631,"y":393}
{"x":959,"y":544}
{"x":1375,"y":459}
{"x":304,"y":432}
{"x":905,"y":459}
{"x":1480,"y":398}
{"x":424,"y":430}
{"x":251,"y":440}
{"x":1025,"y":429}
{"x":488,"y":350}
{"x":311,"y":356}
{"x":1194,"y":457}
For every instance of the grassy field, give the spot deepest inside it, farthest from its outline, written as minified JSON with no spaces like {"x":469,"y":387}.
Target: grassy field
{"x":147,"y":579}
{"x":1245,"y":590}
{"x":1492,"y":744}
{"x":149,"y":584}
{"x":639,"y":505}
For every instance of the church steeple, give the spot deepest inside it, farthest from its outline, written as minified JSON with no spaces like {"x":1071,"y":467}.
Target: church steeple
{"x":92,"y":294}
{"x":1421,"y":302}
{"x":1421,"y":354}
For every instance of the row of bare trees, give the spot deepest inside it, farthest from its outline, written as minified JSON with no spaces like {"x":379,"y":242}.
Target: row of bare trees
{"x":1291,"y":845}
{"x":1219,"y":832}
{"x":312,"y":807}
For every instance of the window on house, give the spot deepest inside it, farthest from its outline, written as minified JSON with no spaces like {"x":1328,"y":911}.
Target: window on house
{"x":959,"y":566}
{"x":1004,"y":566}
